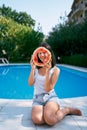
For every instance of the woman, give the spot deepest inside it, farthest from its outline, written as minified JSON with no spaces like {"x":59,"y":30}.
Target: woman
{"x":46,"y":107}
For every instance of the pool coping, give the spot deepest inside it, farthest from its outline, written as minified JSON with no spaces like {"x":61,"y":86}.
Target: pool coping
{"x":83,"y":69}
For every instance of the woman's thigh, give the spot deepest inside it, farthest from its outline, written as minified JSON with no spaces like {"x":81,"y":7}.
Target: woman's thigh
{"x":37,"y":114}
{"x":50,"y":112}
{"x":51,"y":107}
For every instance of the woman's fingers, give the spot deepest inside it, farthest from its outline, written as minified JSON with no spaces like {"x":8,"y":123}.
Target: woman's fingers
{"x":48,"y":65}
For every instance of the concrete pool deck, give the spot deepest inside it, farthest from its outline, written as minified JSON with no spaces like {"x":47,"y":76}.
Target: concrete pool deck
{"x":16,"y":115}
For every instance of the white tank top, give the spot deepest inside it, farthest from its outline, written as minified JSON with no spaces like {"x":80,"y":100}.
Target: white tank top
{"x":39,"y":82}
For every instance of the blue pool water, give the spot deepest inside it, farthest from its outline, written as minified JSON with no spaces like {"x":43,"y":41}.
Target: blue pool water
{"x":14,"y":82}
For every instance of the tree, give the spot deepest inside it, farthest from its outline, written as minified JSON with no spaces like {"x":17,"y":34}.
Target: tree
{"x":68,"y":39}
{"x":18,"y":41}
{"x":21,"y":17}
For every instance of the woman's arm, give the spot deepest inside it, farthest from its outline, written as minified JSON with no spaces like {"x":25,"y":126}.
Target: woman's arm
{"x":31,"y":77}
{"x":51,"y":81}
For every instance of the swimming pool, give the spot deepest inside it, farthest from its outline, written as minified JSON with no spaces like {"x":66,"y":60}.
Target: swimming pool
{"x":14,"y":82}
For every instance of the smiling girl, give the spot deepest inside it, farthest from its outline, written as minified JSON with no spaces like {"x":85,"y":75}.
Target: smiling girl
{"x":46,"y":104}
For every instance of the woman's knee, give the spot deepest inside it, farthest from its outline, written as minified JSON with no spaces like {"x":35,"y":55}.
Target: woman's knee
{"x":37,"y":119}
{"x":37,"y":115}
{"x":50,"y":117}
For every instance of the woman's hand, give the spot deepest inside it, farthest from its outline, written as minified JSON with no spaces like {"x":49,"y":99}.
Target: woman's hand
{"x":48,"y":66}
{"x":32,"y":63}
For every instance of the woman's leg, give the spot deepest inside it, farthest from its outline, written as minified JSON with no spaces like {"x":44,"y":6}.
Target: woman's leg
{"x":37,"y":114}
{"x":50,"y":113}
{"x":53,"y":114}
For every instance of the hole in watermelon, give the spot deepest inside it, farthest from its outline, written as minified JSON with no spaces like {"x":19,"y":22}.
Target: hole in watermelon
{"x":41,"y":56}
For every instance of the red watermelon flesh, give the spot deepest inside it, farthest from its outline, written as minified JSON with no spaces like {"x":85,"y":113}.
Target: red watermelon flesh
{"x":43,"y":55}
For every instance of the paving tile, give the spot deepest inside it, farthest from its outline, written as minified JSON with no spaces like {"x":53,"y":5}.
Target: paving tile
{"x":81,"y":121}
{"x":16,"y":124}
{"x":16,"y":114}
{"x":24,"y":112}
{"x":66,"y":124}
{"x":11,"y":122}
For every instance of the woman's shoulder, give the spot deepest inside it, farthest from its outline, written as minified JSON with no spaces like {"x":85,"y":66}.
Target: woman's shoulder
{"x":36,"y":71}
{"x":56,"y":69}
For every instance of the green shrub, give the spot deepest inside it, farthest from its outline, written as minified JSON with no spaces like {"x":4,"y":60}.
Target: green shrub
{"x":77,"y":60}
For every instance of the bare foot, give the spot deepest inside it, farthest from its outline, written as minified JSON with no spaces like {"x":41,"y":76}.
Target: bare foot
{"x":74,"y":111}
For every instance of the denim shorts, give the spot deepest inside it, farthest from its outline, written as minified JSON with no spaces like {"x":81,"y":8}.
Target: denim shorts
{"x":43,"y":98}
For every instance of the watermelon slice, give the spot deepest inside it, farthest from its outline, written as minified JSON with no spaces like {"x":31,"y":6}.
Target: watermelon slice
{"x":41,"y":56}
